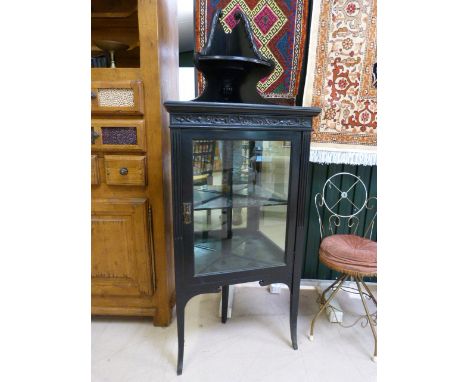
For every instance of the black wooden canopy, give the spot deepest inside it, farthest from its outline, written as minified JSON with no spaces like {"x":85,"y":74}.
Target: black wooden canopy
{"x":232,"y":64}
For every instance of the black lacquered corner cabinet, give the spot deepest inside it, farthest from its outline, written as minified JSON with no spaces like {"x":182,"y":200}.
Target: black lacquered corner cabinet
{"x":240,"y":183}
{"x":239,"y":178}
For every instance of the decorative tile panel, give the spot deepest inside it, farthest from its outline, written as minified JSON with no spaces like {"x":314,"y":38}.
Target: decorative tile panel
{"x":118,"y":97}
{"x":119,"y":135}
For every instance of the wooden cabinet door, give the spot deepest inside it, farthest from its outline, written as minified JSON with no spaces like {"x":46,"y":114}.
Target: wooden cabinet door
{"x":121,"y":257}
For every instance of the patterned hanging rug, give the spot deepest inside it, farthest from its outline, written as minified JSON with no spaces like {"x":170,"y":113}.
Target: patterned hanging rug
{"x":342,"y":79}
{"x":280,"y":30}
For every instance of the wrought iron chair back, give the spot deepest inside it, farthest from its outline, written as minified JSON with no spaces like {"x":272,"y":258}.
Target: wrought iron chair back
{"x":344,"y":204}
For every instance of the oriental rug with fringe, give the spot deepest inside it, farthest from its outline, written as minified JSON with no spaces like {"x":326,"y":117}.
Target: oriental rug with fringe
{"x":342,"y":79}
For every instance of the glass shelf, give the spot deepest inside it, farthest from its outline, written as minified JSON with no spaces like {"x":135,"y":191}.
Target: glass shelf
{"x":212,"y":197}
{"x":251,"y":250}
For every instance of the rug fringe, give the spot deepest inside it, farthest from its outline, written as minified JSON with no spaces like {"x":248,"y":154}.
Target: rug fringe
{"x":343,"y":157}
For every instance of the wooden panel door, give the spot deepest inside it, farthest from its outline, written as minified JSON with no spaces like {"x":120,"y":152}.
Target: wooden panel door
{"x":121,"y":258}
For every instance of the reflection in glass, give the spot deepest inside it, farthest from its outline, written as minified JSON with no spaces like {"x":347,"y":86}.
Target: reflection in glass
{"x":240,"y":195}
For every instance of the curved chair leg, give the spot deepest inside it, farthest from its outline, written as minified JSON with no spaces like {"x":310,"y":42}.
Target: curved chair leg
{"x":368,"y":290}
{"x":340,"y":281}
{"x":371,"y":322}
{"x":330,"y":287}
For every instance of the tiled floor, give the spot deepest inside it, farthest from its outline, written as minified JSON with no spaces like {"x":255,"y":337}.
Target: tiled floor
{"x":254,"y":345}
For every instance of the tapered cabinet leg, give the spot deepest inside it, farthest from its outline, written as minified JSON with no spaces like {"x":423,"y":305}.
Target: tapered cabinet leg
{"x":293,"y":310}
{"x":224,"y":303}
{"x":180,"y":308}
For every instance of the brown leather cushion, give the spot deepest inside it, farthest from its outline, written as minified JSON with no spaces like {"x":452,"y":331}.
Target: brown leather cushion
{"x":349,"y":254}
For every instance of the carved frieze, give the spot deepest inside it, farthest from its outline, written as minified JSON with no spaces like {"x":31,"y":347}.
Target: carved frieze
{"x":238,"y":120}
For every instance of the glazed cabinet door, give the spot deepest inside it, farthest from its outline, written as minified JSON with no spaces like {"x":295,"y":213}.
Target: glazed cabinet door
{"x":239,"y":212}
{"x":121,"y":252}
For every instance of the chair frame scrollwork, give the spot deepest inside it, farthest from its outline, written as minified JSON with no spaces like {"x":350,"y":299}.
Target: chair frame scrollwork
{"x":335,"y":220}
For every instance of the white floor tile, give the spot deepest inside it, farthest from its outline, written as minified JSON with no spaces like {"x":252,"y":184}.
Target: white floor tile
{"x":254,"y":345}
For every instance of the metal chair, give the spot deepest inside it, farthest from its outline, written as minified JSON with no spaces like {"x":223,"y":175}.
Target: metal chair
{"x":346,"y":246}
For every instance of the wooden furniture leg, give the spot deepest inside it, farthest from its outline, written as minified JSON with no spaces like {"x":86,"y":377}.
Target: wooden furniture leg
{"x":294,"y":307}
{"x":224,"y":306}
{"x":180,"y":307}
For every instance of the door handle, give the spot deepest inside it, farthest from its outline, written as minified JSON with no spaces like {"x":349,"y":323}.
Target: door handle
{"x":187,"y":213}
{"x":94,"y":136}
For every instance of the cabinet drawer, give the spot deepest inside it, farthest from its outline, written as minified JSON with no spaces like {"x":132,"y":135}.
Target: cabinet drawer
{"x":94,"y":170}
{"x":125,"y":170}
{"x":118,"y":135}
{"x":117,"y":97}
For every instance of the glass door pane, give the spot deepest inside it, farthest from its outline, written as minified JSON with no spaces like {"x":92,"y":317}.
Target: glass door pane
{"x":240,"y":197}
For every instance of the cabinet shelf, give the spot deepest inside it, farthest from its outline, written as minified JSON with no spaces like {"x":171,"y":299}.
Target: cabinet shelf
{"x":212,"y":197}
{"x":114,"y":15}
{"x":116,"y":20}
{"x":244,"y":251}
{"x":113,"y":8}
{"x":124,"y":59}
{"x":115,"y":74}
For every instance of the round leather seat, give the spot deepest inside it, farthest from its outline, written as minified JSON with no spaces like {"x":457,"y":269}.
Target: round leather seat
{"x":350,"y":254}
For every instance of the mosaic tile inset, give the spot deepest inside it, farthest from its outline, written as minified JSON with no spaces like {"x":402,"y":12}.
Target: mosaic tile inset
{"x":119,"y":135}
